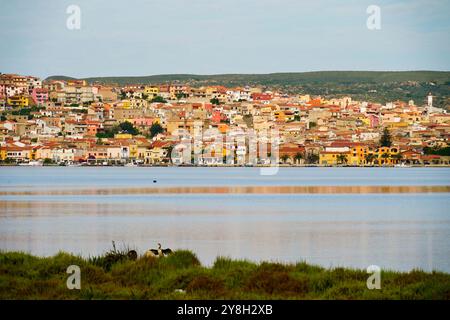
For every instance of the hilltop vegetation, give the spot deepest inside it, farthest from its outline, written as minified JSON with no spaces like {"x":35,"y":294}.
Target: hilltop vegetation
{"x":375,"y":86}
{"x":180,"y":276}
{"x":290,"y":78}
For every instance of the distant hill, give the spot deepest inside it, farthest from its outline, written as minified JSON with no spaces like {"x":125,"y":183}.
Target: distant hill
{"x":60,"y":78}
{"x":279,"y":79}
{"x":374,"y":86}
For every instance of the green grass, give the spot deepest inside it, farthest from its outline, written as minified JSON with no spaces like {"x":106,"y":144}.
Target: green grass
{"x":181,"y":276}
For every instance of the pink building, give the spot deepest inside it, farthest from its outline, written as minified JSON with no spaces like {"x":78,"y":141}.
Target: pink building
{"x":142,"y":121}
{"x":216,"y":116}
{"x":374,"y":120}
{"x":40,"y":96}
{"x":256,"y":96}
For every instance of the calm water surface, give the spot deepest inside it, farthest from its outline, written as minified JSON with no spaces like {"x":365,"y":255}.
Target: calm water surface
{"x":393,"y":230}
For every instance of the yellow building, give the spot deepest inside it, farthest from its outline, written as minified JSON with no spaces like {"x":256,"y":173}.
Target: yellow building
{"x":125,"y":104}
{"x":279,"y":116}
{"x":18,"y":101}
{"x":151,"y":91}
{"x":360,"y":156}
{"x":134,"y":152}
{"x":331,"y":158}
{"x":394,"y":125}
{"x":2,"y":153}
{"x":364,"y":120}
{"x":386,"y":155}
{"x":123,"y":136}
{"x":155,"y":155}
{"x":141,"y":152}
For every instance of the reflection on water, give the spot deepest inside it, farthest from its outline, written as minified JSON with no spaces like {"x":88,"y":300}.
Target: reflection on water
{"x":399,"y":226}
{"x":395,"y":231}
{"x":40,"y":178}
{"x":236,"y":190}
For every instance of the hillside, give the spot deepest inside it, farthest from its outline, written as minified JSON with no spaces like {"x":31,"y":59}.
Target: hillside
{"x":373,"y":86}
{"x":280,"y":78}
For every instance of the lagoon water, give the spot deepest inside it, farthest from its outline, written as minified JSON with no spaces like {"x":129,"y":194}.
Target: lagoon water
{"x":209,"y":210}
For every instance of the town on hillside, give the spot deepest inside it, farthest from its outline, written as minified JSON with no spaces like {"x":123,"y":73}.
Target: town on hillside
{"x":73,"y":122}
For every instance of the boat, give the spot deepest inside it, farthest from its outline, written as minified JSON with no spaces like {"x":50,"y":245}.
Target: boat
{"x":131,"y":164}
{"x":402,"y":165}
{"x":31,"y":163}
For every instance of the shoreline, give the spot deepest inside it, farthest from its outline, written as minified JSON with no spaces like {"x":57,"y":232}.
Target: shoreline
{"x":227,"y":166}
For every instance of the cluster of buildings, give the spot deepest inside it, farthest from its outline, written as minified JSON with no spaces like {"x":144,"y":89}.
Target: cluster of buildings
{"x":72,"y":121}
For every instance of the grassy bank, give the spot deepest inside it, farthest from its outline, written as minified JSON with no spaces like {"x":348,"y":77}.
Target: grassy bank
{"x":180,"y":276}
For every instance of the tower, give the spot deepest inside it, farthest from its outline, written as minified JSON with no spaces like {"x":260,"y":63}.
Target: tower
{"x":429,"y":103}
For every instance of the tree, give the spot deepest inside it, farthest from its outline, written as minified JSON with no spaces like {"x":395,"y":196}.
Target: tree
{"x":105,"y":134}
{"x":312,"y":158}
{"x":127,"y":127}
{"x":159,"y":99}
{"x":397,"y":157}
{"x":298,"y":156}
{"x":341,"y":158}
{"x":169,"y":150}
{"x":155,"y":129}
{"x":215,"y":101}
{"x":123,"y":95}
{"x":180,"y":96}
{"x":370,"y":158}
{"x":385,"y":156}
{"x":9,"y":160}
{"x":284,"y":158}
{"x":386,"y":139}
{"x":124,"y":127}
{"x":436,"y":150}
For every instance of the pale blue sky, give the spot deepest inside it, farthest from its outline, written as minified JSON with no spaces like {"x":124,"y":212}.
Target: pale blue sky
{"x":137,"y":37}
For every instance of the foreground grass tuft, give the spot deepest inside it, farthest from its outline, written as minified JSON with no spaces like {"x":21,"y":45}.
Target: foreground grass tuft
{"x":180,"y":275}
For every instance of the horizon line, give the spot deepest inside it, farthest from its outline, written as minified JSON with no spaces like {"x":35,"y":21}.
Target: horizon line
{"x":236,"y":73}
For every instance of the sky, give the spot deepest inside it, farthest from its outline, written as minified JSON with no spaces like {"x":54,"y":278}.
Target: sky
{"x":137,"y":37}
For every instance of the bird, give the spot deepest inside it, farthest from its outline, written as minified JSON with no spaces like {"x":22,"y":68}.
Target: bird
{"x":166,"y":251}
{"x":158,"y":252}
{"x":132,"y":255}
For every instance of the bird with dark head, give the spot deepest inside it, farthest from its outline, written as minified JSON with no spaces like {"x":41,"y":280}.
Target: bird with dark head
{"x":158,"y":252}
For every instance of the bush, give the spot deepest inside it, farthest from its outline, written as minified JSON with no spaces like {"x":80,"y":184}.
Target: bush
{"x":181,"y":259}
{"x":206,"y":284}
{"x":159,"y":99}
{"x":277,"y":282}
